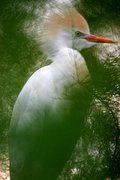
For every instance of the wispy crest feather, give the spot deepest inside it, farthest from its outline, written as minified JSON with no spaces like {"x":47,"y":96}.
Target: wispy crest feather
{"x":57,"y":17}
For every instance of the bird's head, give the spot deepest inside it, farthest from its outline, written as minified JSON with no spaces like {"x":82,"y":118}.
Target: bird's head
{"x":65,"y":27}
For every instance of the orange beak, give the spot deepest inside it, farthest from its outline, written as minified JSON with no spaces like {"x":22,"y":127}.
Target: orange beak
{"x":98,"y":39}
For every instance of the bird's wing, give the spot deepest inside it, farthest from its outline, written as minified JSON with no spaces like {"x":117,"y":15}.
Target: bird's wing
{"x":31,"y":100}
{"x":28,"y":119}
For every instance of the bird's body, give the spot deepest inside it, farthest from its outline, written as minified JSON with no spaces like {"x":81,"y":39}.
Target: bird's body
{"x":51,"y":108}
{"x":45,"y":118}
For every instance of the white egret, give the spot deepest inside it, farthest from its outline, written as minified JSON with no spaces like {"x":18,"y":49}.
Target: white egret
{"x":50,"y":110}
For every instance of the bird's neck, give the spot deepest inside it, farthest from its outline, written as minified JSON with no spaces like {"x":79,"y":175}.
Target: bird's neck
{"x":71,"y":65}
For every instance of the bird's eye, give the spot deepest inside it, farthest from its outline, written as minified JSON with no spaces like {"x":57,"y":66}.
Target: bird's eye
{"x":78,"y":33}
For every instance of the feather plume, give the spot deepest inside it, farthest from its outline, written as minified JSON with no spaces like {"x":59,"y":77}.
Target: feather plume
{"x":58,"y":17}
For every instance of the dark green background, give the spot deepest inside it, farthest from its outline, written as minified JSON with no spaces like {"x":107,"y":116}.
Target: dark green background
{"x":20,"y":56}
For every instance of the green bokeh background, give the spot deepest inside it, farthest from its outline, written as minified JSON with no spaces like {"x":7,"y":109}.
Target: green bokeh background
{"x":20,"y":56}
